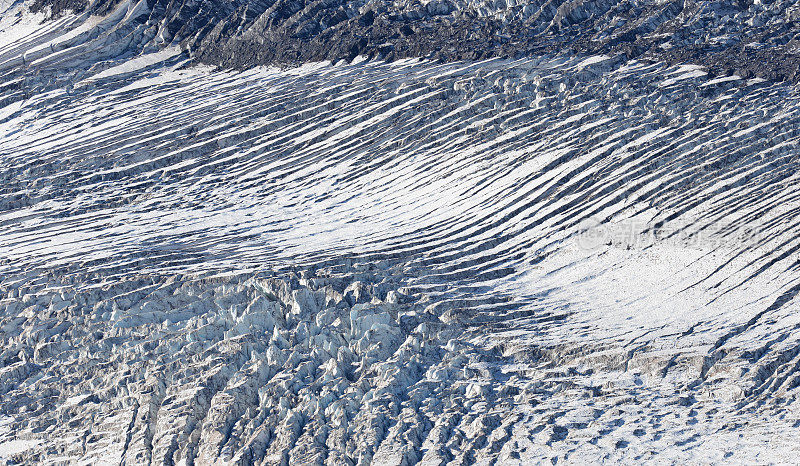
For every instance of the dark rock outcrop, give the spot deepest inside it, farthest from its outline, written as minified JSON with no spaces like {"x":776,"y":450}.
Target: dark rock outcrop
{"x":746,"y":38}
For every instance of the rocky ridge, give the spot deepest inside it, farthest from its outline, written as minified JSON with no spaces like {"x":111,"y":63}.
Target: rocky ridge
{"x":744,"y":38}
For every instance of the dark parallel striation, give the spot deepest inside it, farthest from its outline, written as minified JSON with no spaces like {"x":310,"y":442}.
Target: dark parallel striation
{"x":383,"y":263}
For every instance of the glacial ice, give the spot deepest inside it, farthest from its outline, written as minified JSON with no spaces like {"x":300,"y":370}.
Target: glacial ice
{"x":583,"y":259}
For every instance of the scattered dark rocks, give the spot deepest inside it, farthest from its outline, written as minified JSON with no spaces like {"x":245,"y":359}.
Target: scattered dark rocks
{"x":745,"y":38}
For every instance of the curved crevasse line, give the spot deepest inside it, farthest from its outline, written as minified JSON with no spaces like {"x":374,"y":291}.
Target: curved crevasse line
{"x":423,"y":253}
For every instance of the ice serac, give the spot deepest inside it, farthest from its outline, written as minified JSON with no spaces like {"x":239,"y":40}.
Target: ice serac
{"x":583,"y":258}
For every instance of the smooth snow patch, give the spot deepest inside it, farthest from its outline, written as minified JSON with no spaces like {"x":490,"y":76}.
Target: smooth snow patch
{"x":721,"y":80}
{"x":136,"y":64}
{"x":14,"y":447}
{"x":696,"y":73}
{"x":592,"y":61}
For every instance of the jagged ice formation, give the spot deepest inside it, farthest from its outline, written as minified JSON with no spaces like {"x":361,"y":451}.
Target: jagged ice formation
{"x":576,"y":258}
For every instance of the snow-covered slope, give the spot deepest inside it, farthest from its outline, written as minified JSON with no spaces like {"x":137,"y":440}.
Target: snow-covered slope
{"x":506,"y":260}
{"x":580,"y":259}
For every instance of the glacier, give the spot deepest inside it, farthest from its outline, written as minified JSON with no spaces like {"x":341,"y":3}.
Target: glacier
{"x":557,"y":257}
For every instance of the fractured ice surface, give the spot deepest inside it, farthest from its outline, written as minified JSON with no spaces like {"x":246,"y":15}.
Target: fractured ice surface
{"x":508,"y":261}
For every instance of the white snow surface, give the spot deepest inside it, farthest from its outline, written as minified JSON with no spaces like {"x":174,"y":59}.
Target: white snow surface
{"x":503,"y":261}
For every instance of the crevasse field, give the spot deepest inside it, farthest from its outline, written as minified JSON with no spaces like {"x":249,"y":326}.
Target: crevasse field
{"x":503,"y":261}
